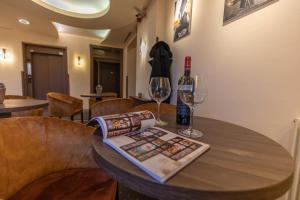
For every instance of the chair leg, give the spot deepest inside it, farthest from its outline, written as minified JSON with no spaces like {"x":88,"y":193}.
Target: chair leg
{"x":72,"y":117}
{"x":81,"y":115}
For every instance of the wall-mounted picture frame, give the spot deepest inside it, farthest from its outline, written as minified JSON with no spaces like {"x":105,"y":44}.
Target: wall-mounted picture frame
{"x":182,"y":18}
{"x":235,"y":9}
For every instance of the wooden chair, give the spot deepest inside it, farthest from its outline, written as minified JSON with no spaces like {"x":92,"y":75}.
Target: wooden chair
{"x":105,"y":96}
{"x":34,"y":112}
{"x":109,"y":107}
{"x":164,"y":108}
{"x":48,"y":158}
{"x":61,"y":105}
{"x":109,"y":95}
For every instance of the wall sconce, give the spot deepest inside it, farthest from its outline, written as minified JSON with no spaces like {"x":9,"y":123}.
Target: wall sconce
{"x":3,"y":54}
{"x":78,"y":60}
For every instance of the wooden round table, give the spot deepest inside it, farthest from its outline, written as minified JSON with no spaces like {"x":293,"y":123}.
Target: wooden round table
{"x":241,"y":164}
{"x":17,"y":105}
{"x":92,"y":95}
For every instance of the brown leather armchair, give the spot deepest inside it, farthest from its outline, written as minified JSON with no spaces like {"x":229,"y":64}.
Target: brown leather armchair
{"x":61,"y":105}
{"x":48,"y":158}
{"x":34,"y":112}
{"x":112,"y":106}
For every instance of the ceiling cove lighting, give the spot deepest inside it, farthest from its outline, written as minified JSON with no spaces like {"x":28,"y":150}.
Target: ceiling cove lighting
{"x":24,"y":21}
{"x":93,"y":33}
{"x":77,"y":8}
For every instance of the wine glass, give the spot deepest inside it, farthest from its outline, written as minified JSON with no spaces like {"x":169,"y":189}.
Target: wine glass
{"x":159,"y":90}
{"x":192,"y":92}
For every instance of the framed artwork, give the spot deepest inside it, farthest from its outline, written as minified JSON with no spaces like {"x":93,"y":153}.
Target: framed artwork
{"x":182,"y":18}
{"x":235,"y":9}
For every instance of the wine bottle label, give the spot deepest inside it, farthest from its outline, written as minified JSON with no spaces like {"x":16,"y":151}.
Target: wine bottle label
{"x":183,"y":113}
{"x":185,"y":87}
{"x":182,"y":109}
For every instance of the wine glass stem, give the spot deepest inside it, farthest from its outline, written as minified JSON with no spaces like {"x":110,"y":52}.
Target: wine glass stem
{"x":158,"y":115}
{"x":191,"y":119}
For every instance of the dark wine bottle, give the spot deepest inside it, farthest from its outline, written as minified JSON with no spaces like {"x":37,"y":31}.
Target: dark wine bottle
{"x":183,"y":111}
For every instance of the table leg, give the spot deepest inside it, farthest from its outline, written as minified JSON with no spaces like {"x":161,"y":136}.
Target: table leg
{"x":117,"y":192}
{"x":5,"y":115}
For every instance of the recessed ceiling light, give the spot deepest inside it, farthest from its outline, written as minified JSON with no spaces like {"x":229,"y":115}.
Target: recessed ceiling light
{"x":24,"y":21}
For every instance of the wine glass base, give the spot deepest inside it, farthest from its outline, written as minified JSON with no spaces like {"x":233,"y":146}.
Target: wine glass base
{"x":160,"y":123}
{"x":190,"y":133}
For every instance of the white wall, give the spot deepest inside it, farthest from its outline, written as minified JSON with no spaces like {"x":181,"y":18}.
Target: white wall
{"x":10,"y":71}
{"x":152,"y":26}
{"x":251,"y":65}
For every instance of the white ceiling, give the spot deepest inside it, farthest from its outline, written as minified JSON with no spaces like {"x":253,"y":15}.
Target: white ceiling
{"x":120,"y":18}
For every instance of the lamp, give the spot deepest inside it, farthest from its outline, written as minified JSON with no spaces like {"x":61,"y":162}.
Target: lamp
{"x":78,"y":60}
{"x":3,"y":54}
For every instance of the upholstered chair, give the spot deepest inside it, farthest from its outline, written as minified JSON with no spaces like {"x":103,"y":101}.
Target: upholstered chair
{"x":164,"y":108}
{"x":112,"y":106}
{"x":61,"y":105}
{"x":47,"y":158}
{"x":34,"y":112}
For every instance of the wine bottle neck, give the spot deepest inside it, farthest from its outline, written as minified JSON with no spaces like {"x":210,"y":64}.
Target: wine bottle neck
{"x":187,"y":71}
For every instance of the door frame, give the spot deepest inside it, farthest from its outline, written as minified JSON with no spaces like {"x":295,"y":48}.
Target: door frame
{"x":28,"y":49}
{"x":92,"y":47}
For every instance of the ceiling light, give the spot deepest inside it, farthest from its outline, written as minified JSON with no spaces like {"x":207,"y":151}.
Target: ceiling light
{"x":77,"y":8}
{"x":24,"y":21}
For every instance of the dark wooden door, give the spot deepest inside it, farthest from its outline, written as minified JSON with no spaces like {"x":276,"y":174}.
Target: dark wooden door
{"x":48,"y":74}
{"x":110,"y":77}
{"x":45,"y":70}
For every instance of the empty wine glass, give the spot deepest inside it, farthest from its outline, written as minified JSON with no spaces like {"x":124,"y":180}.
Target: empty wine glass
{"x":192,"y":92}
{"x":159,"y":91}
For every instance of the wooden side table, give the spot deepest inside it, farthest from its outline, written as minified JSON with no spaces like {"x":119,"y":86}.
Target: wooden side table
{"x":17,"y":105}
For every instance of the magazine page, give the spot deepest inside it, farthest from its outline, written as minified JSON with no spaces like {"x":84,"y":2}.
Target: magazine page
{"x":119,"y":124}
{"x":158,"y":152}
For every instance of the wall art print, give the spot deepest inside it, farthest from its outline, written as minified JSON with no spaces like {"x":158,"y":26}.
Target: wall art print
{"x":182,"y":18}
{"x":235,"y":9}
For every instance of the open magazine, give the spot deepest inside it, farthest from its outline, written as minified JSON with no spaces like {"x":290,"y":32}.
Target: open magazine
{"x":158,"y":152}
